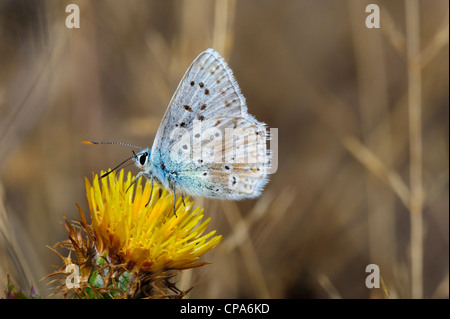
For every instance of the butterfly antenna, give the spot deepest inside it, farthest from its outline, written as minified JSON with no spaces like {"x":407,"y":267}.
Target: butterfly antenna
{"x":117,"y":143}
{"x":106,"y":174}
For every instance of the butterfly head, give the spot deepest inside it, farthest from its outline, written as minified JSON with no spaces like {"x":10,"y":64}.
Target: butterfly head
{"x":142,"y":159}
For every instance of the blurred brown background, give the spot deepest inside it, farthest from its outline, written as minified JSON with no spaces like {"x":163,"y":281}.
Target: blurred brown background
{"x":363,"y":135}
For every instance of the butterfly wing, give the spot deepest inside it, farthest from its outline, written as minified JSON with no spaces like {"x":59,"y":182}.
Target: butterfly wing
{"x":229,"y":161}
{"x":208,"y":96}
{"x":208,"y":89}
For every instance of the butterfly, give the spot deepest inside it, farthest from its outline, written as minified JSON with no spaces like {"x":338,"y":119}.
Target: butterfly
{"x":207,"y":144}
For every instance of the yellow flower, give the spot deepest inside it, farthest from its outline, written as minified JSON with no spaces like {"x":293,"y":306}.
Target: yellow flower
{"x":147,"y":237}
{"x":131,"y":249}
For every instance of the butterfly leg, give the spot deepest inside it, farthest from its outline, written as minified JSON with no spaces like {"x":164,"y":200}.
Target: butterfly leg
{"x":172,"y":185}
{"x":151,"y":189}
{"x":174,"y":201}
{"x":134,"y":180}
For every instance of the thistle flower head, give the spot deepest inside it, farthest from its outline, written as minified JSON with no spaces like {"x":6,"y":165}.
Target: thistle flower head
{"x":132,"y":246}
{"x":150,"y":237}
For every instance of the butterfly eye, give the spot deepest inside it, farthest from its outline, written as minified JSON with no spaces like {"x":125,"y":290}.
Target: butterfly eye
{"x":143,"y":158}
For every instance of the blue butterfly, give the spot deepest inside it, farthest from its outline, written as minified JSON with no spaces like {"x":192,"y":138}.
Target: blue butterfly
{"x":207,"y":144}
